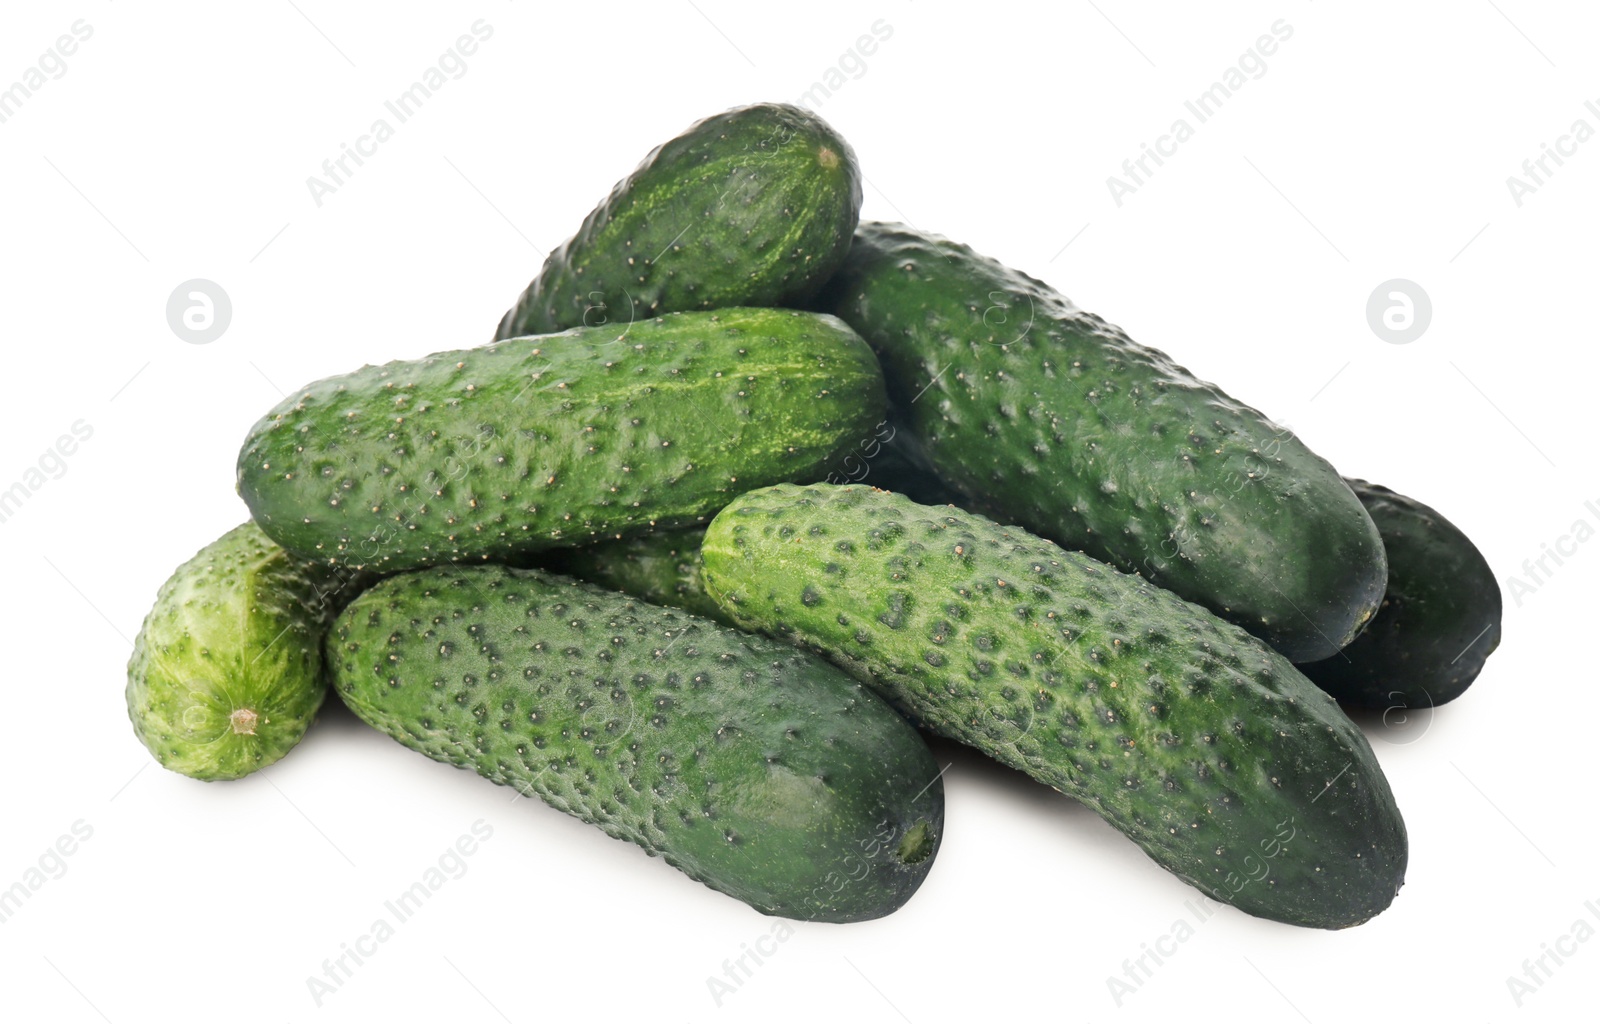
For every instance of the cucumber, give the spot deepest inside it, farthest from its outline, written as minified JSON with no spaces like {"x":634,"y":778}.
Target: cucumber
{"x":499,"y":451}
{"x":1440,"y":617}
{"x":760,"y":770}
{"x":661,"y":568}
{"x":1051,"y":418}
{"x":227,"y":672}
{"x":1199,"y":742}
{"x":752,"y":207}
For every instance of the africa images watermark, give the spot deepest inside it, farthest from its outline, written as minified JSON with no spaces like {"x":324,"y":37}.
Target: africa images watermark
{"x":854,"y":867}
{"x":1252,"y":64}
{"x":881,"y":435}
{"x":51,"y":65}
{"x":1537,"y":170}
{"x":1152,"y":955}
{"x":199,"y":311}
{"x":1538,"y":571}
{"x":336,"y":171}
{"x":852,"y":62}
{"x":51,"y":866}
{"x":451,"y":865}
{"x":51,"y":465}
{"x":1540,"y":969}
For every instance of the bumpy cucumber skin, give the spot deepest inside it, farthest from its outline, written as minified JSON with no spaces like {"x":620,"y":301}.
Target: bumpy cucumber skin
{"x":753,"y":767}
{"x":1051,"y":418}
{"x":1440,"y":617}
{"x":661,"y":568}
{"x":495,"y":452}
{"x":227,"y":673}
{"x":752,"y":207}
{"x":1198,"y":741}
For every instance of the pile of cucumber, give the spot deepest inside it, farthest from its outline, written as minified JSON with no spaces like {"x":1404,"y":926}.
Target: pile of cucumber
{"x":744,"y":497}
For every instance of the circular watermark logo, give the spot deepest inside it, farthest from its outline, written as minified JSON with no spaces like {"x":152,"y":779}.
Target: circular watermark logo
{"x":1401,"y":723}
{"x":199,"y":311}
{"x":1399,"y":311}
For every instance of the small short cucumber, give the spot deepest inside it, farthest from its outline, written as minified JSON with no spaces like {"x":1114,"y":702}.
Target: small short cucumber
{"x":1440,"y":617}
{"x":1195,"y":739}
{"x":496,"y":452}
{"x":227,"y":672}
{"x":661,"y":568}
{"x":760,"y":770}
{"x":752,"y":207}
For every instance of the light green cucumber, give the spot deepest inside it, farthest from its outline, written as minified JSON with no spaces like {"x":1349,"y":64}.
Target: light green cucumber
{"x":227,"y":671}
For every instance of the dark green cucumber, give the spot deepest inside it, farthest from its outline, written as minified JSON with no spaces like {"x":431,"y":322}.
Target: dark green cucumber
{"x":226,"y":673}
{"x":1051,"y":418}
{"x":661,"y":568}
{"x":1198,"y":741}
{"x":752,"y":207}
{"x":760,"y":770}
{"x":1440,"y":617}
{"x":531,"y":443}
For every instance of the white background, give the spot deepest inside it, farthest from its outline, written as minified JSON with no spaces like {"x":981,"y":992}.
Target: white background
{"x":1377,"y":145}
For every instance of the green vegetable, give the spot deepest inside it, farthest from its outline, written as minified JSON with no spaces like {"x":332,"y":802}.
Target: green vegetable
{"x":1198,"y":741}
{"x":226,"y":673}
{"x":1440,"y":617}
{"x":757,"y":769}
{"x":531,"y":443}
{"x":661,"y":568}
{"x":752,"y":207}
{"x":1051,"y":418}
